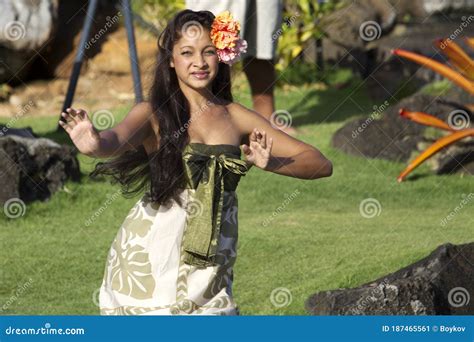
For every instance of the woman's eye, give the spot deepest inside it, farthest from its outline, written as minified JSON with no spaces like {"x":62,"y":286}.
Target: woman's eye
{"x":211,"y":52}
{"x":186,"y":52}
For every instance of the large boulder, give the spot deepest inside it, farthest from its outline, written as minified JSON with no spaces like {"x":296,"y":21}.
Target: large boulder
{"x":33,"y":168}
{"x":424,"y":8}
{"x":362,"y":34}
{"x":440,"y":284}
{"x":39,"y":38}
{"x":392,"y":76}
{"x":25,"y":26}
{"x":348,"y":30}
{"x":386,"y":135}
{"x":60,"y":51}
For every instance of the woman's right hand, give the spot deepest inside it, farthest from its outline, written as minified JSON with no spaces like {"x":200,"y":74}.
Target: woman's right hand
{"x":81,"y":130}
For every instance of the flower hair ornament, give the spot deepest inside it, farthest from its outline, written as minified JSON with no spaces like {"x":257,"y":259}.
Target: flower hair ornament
{"x":225,"y":37}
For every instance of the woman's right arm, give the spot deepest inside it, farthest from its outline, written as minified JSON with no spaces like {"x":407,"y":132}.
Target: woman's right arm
{"x":129,"y":133}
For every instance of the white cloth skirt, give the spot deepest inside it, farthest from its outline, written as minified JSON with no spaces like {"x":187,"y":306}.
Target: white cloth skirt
{"x":145,"y":273}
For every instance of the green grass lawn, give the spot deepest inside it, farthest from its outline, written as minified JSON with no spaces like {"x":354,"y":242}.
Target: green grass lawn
{"x":318,"y":241}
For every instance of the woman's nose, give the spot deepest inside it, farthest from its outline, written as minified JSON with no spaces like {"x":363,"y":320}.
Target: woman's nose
{"x":200,"y":61}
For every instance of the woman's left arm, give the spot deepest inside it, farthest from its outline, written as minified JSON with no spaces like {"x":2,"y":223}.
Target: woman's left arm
{"x":288,"y":156}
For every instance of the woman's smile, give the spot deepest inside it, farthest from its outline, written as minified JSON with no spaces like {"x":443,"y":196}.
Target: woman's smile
{"x":200,"y":75}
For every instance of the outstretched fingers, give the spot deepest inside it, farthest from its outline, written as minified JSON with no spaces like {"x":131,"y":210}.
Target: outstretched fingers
{"x":263,"y":142}
{"x":270,"y":144}
{"x":82,"y":114}
{"x":73,"y":115}
{"x":71,"y":118}
{"x":65,"y":125}
{"x":253,"y":136}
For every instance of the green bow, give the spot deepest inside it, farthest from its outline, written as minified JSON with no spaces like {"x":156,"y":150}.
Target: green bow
{"x":205,"y":174}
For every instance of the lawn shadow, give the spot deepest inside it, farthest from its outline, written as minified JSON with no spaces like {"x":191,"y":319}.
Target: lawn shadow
{"x":337,"y":103}
{"x":415,"y":177}
{"x":61,"y":137}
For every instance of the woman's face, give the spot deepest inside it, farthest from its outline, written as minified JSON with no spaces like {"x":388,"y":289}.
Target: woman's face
{"x":195,"y":58}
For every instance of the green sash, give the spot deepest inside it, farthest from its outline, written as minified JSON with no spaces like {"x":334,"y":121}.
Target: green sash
{"x":209,"y":169}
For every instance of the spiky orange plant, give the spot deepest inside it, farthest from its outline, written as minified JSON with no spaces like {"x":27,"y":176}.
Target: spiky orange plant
{"x":463,"y":77}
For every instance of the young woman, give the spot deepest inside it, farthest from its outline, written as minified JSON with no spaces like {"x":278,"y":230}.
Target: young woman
{"x":175,"y":251}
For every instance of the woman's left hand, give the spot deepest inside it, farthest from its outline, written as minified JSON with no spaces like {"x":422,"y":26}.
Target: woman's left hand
{"x":258,"y":153}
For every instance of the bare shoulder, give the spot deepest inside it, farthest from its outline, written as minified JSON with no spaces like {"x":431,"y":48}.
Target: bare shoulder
{"x":285,"y":149}
{"x":237,"y":109}
{"x":244,"y":118}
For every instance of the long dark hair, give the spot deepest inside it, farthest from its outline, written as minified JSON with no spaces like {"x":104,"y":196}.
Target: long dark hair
{"x":162,"y":171}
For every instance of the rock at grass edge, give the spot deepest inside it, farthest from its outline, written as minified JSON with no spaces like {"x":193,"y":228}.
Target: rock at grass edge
{"x":34,"y":168}
{"x":440,"y":284}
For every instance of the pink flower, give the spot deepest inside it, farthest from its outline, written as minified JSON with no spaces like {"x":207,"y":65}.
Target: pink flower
{"x":230,"y":55}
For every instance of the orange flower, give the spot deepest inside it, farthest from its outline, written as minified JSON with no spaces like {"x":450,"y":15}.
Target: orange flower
{"x":225,"y":22}
{"x":225,"y":30}
{"x":440,"y":68}
{"x":225,"y":37}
